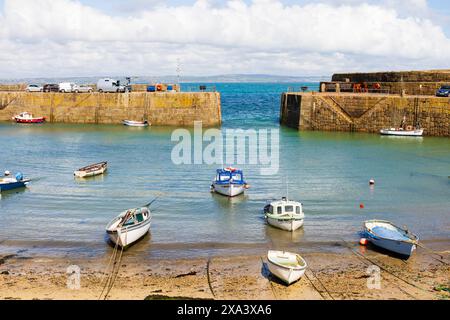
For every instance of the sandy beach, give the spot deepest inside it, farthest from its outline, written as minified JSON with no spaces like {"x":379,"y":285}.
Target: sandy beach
{"x":330,"y":276}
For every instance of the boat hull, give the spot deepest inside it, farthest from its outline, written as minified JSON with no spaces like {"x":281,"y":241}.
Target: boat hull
{"x":128,"y":236}
{"x":288,"y":276}
{"x":229,"y":190}
{"x":30,"y":121}
{"x":399,"y":247}
{"x":83,"y":174}
{"x":12,"y":185}
{"x":402,"y":133}
{"x":288,"y":224}
{"x":135,"y":123}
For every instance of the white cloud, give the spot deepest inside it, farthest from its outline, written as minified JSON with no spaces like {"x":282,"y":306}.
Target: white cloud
{"x":65,"y":37}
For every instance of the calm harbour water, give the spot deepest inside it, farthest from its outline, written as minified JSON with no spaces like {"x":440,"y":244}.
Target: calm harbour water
{"x":328,"y":172}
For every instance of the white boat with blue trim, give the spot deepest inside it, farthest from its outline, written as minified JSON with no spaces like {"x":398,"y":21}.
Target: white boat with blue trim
{"x":288,"y":267}
{"x":10,"y":183}
{"x":129,"y":226}
{"x":386,"y":235}
{"x":229,"y":182}
{"x":285,"y":214}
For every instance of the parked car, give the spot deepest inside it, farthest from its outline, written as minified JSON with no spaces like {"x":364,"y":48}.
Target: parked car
{"x":443,"y":91}
{"x":51,"y":87}
{"x":82,"y":88}
{"x":111,"y":85}
{"x":66,"y":87}
{"x":34,"y":88}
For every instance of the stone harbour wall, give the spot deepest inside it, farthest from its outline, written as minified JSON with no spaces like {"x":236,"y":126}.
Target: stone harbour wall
{"x":364,"y":112}
{"x":160,"y":108}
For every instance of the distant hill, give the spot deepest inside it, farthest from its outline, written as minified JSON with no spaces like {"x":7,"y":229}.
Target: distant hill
{"x":231,"y":78}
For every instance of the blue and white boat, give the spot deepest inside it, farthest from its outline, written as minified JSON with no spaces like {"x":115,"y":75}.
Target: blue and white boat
{"x":229,"y":182}
{"x":388,"y":236}
{"x":9,"y":183}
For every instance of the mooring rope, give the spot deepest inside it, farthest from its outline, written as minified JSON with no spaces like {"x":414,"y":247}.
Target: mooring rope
{"x":209,"y":278}
{"x":384,"y":268}
{"x":268,"y":279}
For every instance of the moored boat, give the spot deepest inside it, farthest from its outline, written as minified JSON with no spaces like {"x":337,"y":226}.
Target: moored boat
{"x":229,"y":182}
{"x":401,"y":132}
{"x":388,"y":236}
{"x":129,"y":226}
{"x":288,"y":267}
{"x":8,"y":183}
{"x":132,"y":123}
{"x":92,"y":170}
{"x":26,"y":117}
{"x":285,"y":214}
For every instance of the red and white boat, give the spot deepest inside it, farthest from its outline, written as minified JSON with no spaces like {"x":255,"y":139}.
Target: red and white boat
{"x":26,"y":117}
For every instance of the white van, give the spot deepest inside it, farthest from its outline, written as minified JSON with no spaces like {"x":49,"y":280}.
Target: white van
{"x":66,"y":87}
{"x":111,"y":85}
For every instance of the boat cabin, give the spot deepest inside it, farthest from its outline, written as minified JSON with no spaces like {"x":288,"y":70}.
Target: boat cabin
{"x":284,"y":207}
{"x":229,"y":175}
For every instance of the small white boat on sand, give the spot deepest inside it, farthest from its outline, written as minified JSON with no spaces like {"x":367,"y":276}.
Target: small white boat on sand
{"x":285,"y":214}
{"x":288,"y":267}
{"x":388,"y":236}
{"x":401,"y":132}
{"x":131,"y":123}
{"x":129,"y":226}
{"x":91,"y":170}
{"x":229,"y":182}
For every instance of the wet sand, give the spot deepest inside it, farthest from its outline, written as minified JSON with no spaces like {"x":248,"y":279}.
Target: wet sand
{"x":329,"y":276}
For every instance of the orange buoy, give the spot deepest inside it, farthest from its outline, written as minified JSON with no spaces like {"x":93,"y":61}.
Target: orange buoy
{"x":363,"y":241}
{"x":361,"y":205}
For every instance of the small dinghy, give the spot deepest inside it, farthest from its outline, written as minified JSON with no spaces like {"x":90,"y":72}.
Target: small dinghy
{"x":401,"y":132}
{"x":26,"y":117}
{"x":91,"y":170}
{"x":131,"y":123}
{"x":285,"y":214}
{"x":288,"y":267}
{"x":9,"y":183}
{"x":229,"y":182}
{"x":129,"y":226}
{"x":388,"y":236}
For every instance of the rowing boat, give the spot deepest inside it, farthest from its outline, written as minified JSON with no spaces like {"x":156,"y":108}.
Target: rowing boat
{"x":131,"y":123}
{"x":386,"y":235}
{"x":129,"y":226}
{"x":288,"y":267}
{"x":92,"y":170}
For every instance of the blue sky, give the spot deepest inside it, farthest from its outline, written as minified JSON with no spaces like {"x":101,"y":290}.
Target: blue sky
{"x":208,"y":37}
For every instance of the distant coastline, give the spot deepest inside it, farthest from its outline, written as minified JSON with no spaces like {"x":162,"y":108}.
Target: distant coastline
{"x":229,"y":78}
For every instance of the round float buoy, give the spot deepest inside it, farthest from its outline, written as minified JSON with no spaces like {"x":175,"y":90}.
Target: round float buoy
{"x":363,"y":241}
{"x":361,"y":205}
{"x":371,"y":182}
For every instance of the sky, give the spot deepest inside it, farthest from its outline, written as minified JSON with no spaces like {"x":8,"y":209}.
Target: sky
{"x":80,"y":38}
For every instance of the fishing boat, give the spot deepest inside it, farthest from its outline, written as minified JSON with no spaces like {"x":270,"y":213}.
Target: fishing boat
{"x":401,"y":132}
{"x":9,"y":183}
{"x":131,"y":123}
{"x":288,"y":267}
{"x":285,"y":214}
{"x":91,"y":170}
{"x":229,"y":182}
{"x":388,"y":236}
{"x":129,"y":226}
{"x":26,"y":117}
